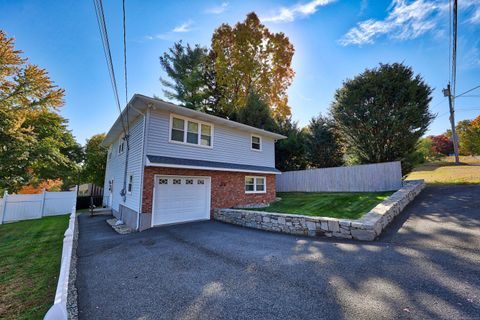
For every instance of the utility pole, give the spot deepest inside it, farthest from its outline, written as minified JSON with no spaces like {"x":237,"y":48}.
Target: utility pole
{"x":448,"y":91}
{"x":451,"y":103}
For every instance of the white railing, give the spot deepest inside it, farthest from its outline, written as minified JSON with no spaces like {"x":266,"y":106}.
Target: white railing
{"x":385,"y":176}
{"x":59,"y":309}
{"x":17,"y":207}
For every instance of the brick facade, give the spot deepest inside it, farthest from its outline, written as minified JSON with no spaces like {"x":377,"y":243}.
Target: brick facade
{"x":227,"y":188}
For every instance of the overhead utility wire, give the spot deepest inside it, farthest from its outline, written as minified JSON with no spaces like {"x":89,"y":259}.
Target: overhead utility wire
{"x":463,"y":93}
{"x":108,"y":55}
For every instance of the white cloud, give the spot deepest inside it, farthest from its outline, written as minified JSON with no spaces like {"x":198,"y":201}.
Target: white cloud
{"x":475,"y":18}
{"x":300,"y":10}
{"x":406,"y":20}
{"x":184,"y":27}
{"x":218,"y":9}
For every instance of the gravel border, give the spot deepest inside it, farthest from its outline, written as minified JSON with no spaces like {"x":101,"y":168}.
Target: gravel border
{"x":72,"y":297}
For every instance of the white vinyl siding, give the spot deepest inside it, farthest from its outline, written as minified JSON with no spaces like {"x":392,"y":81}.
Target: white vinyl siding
{"x":116,"y":166}
{"x":227,"y":144}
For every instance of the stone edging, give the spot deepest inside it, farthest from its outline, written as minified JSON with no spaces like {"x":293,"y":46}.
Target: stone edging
{"x":366,"y":228}
{"x":64,"y":304}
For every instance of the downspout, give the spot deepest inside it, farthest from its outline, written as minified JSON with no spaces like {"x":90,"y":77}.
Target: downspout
{"x":146,"y":117}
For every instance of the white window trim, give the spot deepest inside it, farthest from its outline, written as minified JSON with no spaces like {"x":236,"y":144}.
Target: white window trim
{"x":120,"y":142}
{"x":110,"y":153}
{"x":128,"y":183}
{"x":185,"y":130}
{"x":260,"y":139}
{"x":255,"y":184}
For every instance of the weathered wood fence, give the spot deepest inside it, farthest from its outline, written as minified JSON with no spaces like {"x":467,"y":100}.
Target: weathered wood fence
{"x":385,"y":176}
{"x":16,"y":207}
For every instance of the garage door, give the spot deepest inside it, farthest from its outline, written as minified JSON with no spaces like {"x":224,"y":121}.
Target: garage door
{"x":181,"y":199}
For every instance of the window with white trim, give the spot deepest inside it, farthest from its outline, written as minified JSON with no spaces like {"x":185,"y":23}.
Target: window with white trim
{"x":255,"y":184}
{"x":110,"y":153}
{"x":256,"y":143}
{"x":130,"y":184}
{"x":121,"y":146}
{"x":190,"y":131}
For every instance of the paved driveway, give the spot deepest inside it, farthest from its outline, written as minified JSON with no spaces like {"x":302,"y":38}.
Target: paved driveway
{"x":426,"y":265}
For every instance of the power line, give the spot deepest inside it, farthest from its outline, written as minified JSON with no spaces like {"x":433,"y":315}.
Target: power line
{"x":463,"y":93}
{"x":108,"y":55}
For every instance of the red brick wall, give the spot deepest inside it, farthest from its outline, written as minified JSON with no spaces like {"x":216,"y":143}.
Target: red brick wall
{"x":228,"y":188}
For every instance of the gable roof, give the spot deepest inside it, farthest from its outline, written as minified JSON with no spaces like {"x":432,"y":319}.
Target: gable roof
{"x":140,"y":103}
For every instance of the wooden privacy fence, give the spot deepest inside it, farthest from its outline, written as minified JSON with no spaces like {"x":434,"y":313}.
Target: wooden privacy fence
{"x":16,"y":207}
{"x":385,"y":176}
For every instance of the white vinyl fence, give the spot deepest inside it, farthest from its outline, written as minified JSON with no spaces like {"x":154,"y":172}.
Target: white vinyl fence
{"x":59,"y":309}
{"x":385,"y":176}
{"x":16,"y":207}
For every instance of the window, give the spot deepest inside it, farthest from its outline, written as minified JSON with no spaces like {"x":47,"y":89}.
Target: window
{"x":256,"y":143}
{"x":110,"y":153}
{"x":177,"y":181}
{"x":130,"y":184}
{"x":163,"y":181}
{"x":192,"y":133}
{"x":121,"y":146}
{"x":189,"y":131}
{"x":200,"y":181}
{"x":178,"y":129}
{"x":255,"y":185}
{"x":189,"y":181}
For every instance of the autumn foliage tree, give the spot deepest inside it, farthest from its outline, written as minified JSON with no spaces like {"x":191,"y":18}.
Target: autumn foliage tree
{"x":442,"y":144}
{"x":35,"y":142}
{"x":250,"y":57}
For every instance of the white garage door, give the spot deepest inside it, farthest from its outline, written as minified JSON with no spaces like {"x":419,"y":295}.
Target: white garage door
{"x":181,"y":199}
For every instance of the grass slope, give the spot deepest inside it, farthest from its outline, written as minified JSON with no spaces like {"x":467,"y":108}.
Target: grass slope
{"x":446,"y":172}
{"x":336,"y":205}
{"x":30,"y":254}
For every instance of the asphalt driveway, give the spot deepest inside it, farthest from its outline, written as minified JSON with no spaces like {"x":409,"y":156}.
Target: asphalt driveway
{"x":425,"y":266}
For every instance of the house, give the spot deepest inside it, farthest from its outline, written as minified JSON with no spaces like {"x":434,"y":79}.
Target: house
{"x":181,"y":164}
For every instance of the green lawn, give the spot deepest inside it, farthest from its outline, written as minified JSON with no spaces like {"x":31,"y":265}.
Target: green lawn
{"x":30,"y":254}
{"x":348,"y":205}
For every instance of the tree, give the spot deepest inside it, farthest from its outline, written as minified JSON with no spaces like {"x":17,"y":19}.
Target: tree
{"x":256,"y":113}
{"x":250,"y":57}
{"x":425,"y":149}
{"x":290,"y":153}
{"x":187,"y":67}
{"x":322,"y":143}
{"x":382,"y":113}
{"x":469,"y":136}
{"x":442,"y":144}
{"x":35,"y":143}
{"x":95,"y":160}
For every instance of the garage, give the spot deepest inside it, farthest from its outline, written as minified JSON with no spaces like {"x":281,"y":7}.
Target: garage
{"x":180,"y":199}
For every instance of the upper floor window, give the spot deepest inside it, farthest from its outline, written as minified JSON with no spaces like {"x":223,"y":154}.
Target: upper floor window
{"x":189,"y":131}
{"x":256,"y":143}
{"x":121,"y":146}
{"x":110,"y":153}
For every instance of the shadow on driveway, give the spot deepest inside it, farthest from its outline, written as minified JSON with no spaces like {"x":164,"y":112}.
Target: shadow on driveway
{"x":425,"y":265}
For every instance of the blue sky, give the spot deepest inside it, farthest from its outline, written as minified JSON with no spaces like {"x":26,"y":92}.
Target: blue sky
{"x":334,"y":40}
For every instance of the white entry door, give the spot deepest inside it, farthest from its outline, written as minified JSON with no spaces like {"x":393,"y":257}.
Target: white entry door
{"x":180,"y":199}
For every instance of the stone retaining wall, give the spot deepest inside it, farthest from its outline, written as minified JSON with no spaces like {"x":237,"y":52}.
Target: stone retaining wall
{"x":366,"y":228}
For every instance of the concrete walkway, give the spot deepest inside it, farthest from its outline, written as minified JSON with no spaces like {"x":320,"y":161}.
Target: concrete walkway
{"x":425,"y":266}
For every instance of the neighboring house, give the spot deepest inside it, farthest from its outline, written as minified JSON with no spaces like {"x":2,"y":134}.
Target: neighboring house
{"x":183,"y":163}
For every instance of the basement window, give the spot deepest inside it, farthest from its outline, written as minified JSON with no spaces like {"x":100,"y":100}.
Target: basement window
{"x":255,"y":184}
